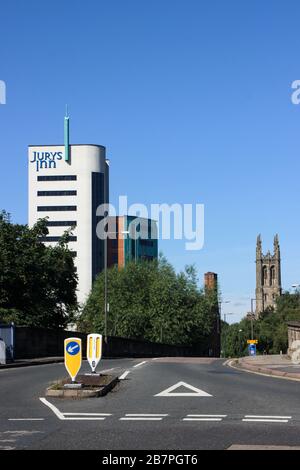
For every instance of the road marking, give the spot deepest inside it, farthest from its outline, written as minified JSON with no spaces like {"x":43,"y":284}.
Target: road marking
{"x":207,"y":416}
{"x":140,"y":364}
{"x":87,"y":414}
{"x":266,"y":420}
{"x":84,"y":419}
{"x":146,"y":414}
{"x":22,"y":433}
{"x":273,"y":417}
{"x":202,"y":419}
{"x":26,"y":419}
{"x":196,"y":392}
{"x":143,"y":417}
{"x":123,"y":376}
{"x":53,"y":408}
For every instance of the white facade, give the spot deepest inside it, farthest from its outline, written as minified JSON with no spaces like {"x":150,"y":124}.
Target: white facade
{"x":67,"y":193}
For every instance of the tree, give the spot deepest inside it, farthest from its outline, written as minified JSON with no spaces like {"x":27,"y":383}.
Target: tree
{"x":270,"y":329}
{"x":37,"y":283}
{"x":148,"y":300}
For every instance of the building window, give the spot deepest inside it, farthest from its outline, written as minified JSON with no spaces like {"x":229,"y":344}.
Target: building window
{"x":272,"y":276}
{"x":146,"y":242}
{"x":58,"y":178}
{"x":63,"y":223}
{"x":264,"y":275}
{"x":57,"y":193}
{"x":56,"y":208}
{"x":265,"y":297}
{"x":56,"y":239}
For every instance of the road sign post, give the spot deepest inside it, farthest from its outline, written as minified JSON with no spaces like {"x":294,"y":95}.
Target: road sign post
{"x":73,"y":356}
{"x":94,"y":350}
{"x":252,"y":349}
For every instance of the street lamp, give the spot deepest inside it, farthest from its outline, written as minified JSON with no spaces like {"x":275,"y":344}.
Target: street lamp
{"x":252,"y":316}
{"x":240,"y":343}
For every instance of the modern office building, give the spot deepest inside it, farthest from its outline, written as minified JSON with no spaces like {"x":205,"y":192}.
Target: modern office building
{"x":130,"y":239}
{"x":66,"y":184}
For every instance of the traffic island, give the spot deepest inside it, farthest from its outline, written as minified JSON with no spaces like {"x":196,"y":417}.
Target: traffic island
{"x":92,"y":386}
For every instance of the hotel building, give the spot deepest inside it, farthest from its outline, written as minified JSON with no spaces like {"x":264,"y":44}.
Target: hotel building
{"x":66,"y":184}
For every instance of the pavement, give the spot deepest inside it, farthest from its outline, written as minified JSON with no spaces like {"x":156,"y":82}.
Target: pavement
{"x":274,"y":365}
{"x":31,"y":362}
{"x":159,"y":404}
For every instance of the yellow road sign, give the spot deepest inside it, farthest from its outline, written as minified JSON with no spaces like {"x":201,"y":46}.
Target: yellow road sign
{"x":73,"y":356}
{"x":94,"y":350}
{"x":252,"y":341}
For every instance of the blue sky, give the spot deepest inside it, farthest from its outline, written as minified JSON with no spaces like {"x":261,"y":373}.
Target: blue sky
{"x":192,"y":99}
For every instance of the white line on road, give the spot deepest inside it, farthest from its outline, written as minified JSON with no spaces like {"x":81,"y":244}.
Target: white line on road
{"x":87,"y":414}
{"x":123,"y":376}
{"x":85,"y":419}
{"x":53,"y":408}
{"x":208,"y":416}
{"x":202,"y":419}
{"x":141,"y":419}
{"x":26,"y":419}
{"x":140,"y":364}
{"x":266,"y":420}
{"x":272,"y":417}
{"x":146,"y":414}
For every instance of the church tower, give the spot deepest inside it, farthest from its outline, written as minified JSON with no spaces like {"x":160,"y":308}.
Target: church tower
{"x":268,"y":276}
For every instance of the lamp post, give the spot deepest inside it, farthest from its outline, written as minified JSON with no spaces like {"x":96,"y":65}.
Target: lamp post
{"x":220,"y":315}
{"x":252,"y":316}
{"x":106,"y":214}
{"x":296,"y":287}
{"x":240,"y":344}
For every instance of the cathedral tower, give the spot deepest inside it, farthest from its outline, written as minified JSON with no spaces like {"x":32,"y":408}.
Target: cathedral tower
{"x":268,"y":276}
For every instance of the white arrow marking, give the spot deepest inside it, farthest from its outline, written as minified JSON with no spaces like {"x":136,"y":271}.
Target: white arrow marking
{"x":196,"y":392}
{"x":72,"y":348}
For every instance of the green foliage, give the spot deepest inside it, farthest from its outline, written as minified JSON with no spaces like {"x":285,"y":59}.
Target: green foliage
{"x":37,"y":283}
{"x":148,"y":300}
{"x":270,"y":329}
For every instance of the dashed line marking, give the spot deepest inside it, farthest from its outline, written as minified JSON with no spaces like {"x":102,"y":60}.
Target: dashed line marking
{"x":87,"y":414}
{"x":143,"y":417}
{"x":26,"y":419}
{"x":204,"y":418}
{"x":123,"y":376}
{"x":140,"y":364}
{"x":272,"y":417}
{"x":266,"y":420}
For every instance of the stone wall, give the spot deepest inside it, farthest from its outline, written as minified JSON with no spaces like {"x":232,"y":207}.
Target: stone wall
{"x":293,"y":335}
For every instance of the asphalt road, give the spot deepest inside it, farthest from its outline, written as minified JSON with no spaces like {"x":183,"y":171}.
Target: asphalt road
{"x":242,"y":409}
